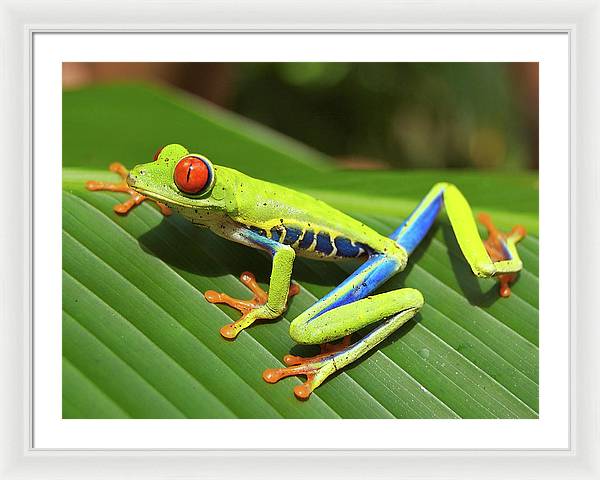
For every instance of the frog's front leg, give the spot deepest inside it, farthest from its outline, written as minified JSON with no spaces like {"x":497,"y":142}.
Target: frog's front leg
{"x":135,"y":197}
{"x":264,"y":305}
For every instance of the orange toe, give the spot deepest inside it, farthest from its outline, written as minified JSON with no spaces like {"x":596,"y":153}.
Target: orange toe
{"x":302,"y":392}
{"x":495,"y":246}
{"x":259,"y":298}
{"x":135,"y":197}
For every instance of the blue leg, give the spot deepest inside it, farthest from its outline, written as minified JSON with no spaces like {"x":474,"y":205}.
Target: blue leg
{"x":379,"y":268}
{"x":321,"y":323}
{"x":345,"y":309}
{"x":483,"y":258}
{"x":370,"y":275}
{"x":415,"y":227}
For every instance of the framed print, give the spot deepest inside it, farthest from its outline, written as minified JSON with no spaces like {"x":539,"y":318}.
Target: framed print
{"x":294,"y":245}
{"x":136,"y":332}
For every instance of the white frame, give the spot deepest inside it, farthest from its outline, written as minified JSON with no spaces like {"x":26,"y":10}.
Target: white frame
{"x":551,"y":430}
{"x":19,"y":22}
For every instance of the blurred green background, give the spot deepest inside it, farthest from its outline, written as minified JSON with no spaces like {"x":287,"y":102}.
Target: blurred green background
{"x":368,"y":115}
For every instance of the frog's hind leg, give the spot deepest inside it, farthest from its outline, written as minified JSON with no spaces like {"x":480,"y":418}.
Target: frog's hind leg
{"x":340,"y":313}
{"x":326,"y":350}
{"x":135,"y":197}
{"x":497,"y":257}
{"x":376,"y":270}
{"x":396,"y":307}
{"x":500,"y":246}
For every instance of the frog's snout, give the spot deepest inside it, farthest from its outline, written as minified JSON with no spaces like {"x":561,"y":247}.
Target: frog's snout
{"x":130,"y":180}
{"x":134,"y":175}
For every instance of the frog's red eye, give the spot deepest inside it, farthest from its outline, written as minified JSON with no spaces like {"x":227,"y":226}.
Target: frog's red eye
{"x":157,"y":154}
{"x":192,"y":174}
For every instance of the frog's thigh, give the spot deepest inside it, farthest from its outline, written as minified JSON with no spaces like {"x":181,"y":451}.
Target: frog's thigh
{"x":346,"y":319}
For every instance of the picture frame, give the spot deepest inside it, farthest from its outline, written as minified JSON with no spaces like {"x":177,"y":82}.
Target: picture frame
{"x":20,"y":460}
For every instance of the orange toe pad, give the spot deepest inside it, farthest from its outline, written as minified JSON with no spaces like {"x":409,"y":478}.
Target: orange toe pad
{"x":494,"y":245}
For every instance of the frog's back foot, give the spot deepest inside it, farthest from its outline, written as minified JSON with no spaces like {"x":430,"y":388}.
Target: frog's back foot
{"x":497,"y":245}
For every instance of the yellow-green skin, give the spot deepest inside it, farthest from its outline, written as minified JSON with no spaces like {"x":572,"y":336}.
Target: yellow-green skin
{"x":246,"y":201}
{"x":267,"y":216}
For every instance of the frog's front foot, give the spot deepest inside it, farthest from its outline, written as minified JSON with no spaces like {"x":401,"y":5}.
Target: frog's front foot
{"x":135,"y":197}
{"x":251,"y":310}
{"x":495,"y":244}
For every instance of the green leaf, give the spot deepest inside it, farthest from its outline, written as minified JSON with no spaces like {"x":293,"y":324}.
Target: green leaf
{"x":140,"y":341}
{"x":128,"y":123}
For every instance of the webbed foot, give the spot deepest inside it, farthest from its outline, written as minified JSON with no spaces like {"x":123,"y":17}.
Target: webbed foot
{"x":316,"y":369}
{"x":135,"y":197}
{"x":326,"y":350}
{"x":247,"y":308}
{"x":495,"y":244}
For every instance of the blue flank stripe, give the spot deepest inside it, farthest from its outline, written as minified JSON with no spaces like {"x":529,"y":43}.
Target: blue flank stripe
{"x":345,"y":247}
{"x":409,"y":238}
{"x":276,"y":233}
{"x":324,"y":244}
{"x":291,"y":235}
{"x":307,"y":239}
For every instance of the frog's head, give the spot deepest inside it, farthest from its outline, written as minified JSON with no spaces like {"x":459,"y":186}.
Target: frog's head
{"x":182,"y":180}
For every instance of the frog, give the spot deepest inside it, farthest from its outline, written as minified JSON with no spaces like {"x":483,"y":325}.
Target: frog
{"x":285,"y":224}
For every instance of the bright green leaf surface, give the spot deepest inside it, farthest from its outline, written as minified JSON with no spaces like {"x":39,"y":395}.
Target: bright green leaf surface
{"x":140,"y":341}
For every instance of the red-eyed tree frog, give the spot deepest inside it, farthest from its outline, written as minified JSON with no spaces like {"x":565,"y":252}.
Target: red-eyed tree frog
{"x":285,"y":223}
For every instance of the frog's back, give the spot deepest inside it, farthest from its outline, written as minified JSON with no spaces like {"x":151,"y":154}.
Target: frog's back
{"x":310,"y":226}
